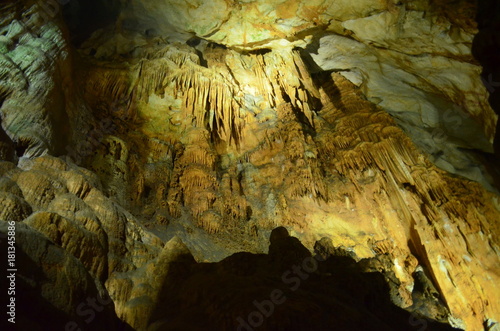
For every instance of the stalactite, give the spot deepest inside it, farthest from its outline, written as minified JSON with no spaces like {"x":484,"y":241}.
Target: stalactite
{"x":178,"y":54}
{"x":12,"y":77}
{"x":152,"y":76}
{"x":393,"y":162}
{"x":210,"y":221}
{"x":233,"y":207}
{"x":195,"y":177}
{"x":197,"y":155}
{"x":160,"y":149}
{"x":265,"y":86}
{"x":359,"y":137}
{"x":110,"y":84}
{"x":304,"y":181}
{"x":208,"y":97}
{"x":173,"y":203}
{"x":199,"y":201}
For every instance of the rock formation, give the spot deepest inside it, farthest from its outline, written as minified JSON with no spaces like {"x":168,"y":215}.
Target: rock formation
{"x":147,"y":155}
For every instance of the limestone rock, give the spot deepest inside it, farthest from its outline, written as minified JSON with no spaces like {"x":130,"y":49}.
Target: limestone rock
{"x":442,"y":123}
{"x":14,"y":208}
{"x":153,"y":160}
{"x":31,"y":84}
{"x":48,"y":274}
{"x":84,"y":245}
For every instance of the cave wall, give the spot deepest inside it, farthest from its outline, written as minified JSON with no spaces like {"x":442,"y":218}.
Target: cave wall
{"x":198,"y":130}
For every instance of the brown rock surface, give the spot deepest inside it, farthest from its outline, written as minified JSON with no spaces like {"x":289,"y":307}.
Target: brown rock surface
{"x":184,"y":133}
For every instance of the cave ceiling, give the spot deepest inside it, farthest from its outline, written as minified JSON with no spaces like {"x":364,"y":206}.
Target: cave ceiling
{"x":137,"y":133}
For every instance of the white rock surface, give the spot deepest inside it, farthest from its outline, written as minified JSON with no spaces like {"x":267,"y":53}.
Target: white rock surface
{"x":443,"y":110}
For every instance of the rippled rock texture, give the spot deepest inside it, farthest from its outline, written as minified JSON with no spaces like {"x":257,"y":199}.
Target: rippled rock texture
{"x":139,"y":158}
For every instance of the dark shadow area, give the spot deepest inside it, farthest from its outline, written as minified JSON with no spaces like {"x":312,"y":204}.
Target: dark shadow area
{"x":7,"y":147}
{"x":486,"y":49}
{"x":307,"y":127}
{"x":324,"y":80}
{"x":83,"y":17}
{"x":35,"y":313}
{"x":193,"y":42}
{"x":203,"y":61}
{"x":305,"y":54}
{"x":261,"y":51}
{"x":287,"y":289}
{"x":213,"y":45}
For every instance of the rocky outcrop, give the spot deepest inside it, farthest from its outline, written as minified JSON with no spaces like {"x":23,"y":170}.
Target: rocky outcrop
{"x":35,"y":70}
{"x":380,"y":46}
{"x":444,"y":113}
{"x":289,"y":289}
{"x":165,"y":144}
{"x":54,"y":289}
{"x":56,"y":205}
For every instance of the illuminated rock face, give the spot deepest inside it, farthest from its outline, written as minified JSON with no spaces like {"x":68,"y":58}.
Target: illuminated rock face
{"x":381,"y":46}
{"x":188,"y":133}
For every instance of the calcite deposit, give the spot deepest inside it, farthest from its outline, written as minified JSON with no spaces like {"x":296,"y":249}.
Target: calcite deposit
{"x":147,"y":156}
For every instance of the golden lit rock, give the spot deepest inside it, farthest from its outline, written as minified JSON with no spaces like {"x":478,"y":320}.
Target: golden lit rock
{"x":187,"y":151}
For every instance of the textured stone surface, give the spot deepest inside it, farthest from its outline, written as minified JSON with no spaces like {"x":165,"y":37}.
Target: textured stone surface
{"x":445,"y":112}
{"x":186,"y":133}
{"x":51,"y":284}
{"x":245,"y":23}
{"x":383,"y":47}
{"x":34,"y":68}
